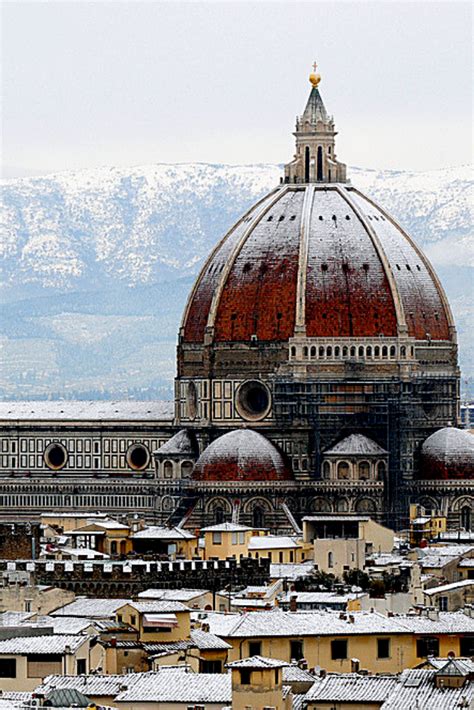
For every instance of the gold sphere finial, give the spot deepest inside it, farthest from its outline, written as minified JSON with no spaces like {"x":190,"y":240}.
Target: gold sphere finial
{"x":314,"y":78}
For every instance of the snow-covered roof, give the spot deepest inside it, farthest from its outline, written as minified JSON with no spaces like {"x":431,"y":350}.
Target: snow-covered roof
{"x":291,"y":571}
{"x":416,"y":688}
{"x":324,"y":623}
{"x":462,"y":584}
{"x":61,"y":624}
{"x":356,"y":445}
{"x":179,"y":595}
{"x":176,"y":685}
{"x":180,"y":444}
{"x":465,"y":664}
{"x":156,"y":532}
{"x":204,"y":640}
{"x":91,"y":685}
{"x":272,"y":542}
{"x":67,"y":410}
{"x":351,"y":688}
{"x":91,"y":608}
{"x":329,"y":598}
{"x":292,"y":673}
{"x":335,"y":518}
{"x":261,"y":662}
{"x":51,"y":644}
{"x":226,"y":527}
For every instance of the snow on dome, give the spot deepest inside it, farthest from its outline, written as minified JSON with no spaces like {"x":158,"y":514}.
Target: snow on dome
{"x":357,"y":445}
{"x":180,"y":444}
{"x":363,"y":277}
{"x":241,"y":455}
{"x":448,"y":453}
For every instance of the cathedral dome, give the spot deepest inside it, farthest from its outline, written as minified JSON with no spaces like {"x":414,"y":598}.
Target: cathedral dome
{"x":448,"y":453}
{"x":319,"y":259}
{"x":241,"y":455}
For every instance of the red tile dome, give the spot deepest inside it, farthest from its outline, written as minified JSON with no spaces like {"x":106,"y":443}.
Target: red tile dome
{"x":321,"y":257}
{"x":448,"y":453}
{"x":241,"y":455}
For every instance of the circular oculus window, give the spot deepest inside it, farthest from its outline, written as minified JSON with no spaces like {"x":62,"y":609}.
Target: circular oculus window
{"x":253,"y":400}
{"x":138,"y":457}
{"x":55,"y":456}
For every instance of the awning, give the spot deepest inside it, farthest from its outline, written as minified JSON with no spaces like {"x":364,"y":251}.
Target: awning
{"x":163,"y":621}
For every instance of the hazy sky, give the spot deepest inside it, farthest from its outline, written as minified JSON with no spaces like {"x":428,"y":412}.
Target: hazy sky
{"x":126,"y":83}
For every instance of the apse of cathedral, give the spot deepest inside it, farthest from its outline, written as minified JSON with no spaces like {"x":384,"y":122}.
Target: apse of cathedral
{"x":317,"y":371}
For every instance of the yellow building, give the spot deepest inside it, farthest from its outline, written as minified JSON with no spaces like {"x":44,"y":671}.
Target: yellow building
{"x":226,"y":540}
{"x":172,"y":542}
{"x":333,"y":640}
{"x":425,"y":526}
{"x":257,"y":683}
{"x":25,"y":661}
{"x":279,"y":549}
{"x":157,"y":621}
{"x":107,"y":536}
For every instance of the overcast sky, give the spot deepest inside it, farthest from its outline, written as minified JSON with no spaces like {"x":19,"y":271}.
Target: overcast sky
{"x":128,"y":83}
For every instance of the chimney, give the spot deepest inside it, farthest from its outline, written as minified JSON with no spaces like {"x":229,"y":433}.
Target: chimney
{"x":351,"y":618}
{"x":113,"y":641}
{"x":323,"y":673}
{"x":293,"y":603}
{"x":205,"y":627}
{"x":343,"y":616}
{"x":355,"y":665}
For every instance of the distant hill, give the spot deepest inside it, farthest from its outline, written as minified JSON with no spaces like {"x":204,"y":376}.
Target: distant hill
{"x":97,"y":265}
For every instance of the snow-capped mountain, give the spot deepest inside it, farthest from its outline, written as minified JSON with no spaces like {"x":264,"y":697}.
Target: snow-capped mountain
{"x":97,"y":264}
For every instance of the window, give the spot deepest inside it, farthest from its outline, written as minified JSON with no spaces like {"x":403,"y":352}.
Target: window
{"x":81,"y":666}
{"x":428,"y":646}
{"x":241,"y":538}
{"x":443,"y":603}
{"x":7,"y":667}
{"x":119,"y":618}
{"x":466,"y":518}
{"x":466,"y":646}
{"x":339,"y":649}
{"x":364,"y":470}
{"x":255,"y":648}
{"x":245,"y":675}
{"x":133,"y":620}
{"x":28,"y":605}
{"x":210,"y":667}
{"x":296,"y":650}
{"x":343,"y":470}
{"x":217,"y":538}
{"x":383,"y":648}
{"x":234,"y":538}
{"x":330,"y":560}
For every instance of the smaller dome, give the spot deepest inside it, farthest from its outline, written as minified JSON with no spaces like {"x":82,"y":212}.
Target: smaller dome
{"x":448,"y":453}
{"x":241,"y":455}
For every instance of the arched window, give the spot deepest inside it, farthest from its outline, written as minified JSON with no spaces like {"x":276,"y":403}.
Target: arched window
{"x":306,"y":164}
{"x":329,"y":351}
{"x":361,"y":351}
{"x":258,"y":517}
{"x":319,"y":175}
{"x":364,"y":470}
{"x":293,"y":351}
{"x":113,"y":547}
{"x":186,"y":469}
{"x":305,"y":351}
{"x":345,"y":351}
{"x":393,"y":351}
{"x":321,"y":351}
{"x":337,"y":351}
{"x":218,"y":515}
{"x":466,"y":518}
{"x":368,"y":351}
{"x":330,"y":560}
{"x":376,"y":351}
{"x":326,"y":469}
{"x":384,"y":351}
{"x":353,"y":351}
{"x":403,"y":352}
{"x":381,"y":470}
{"x":168,"y":469}
{"x":313,"y":351}
{"x":343,"y":470}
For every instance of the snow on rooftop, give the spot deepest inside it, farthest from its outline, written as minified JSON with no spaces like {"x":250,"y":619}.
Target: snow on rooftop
{"x":351,"y":688}
{"x":356,"y":445}
{"x":91,"y":608}
{"x":226,"y":527}
{"x":272,"y":542}
{"x":462,"y":584}
{"x":205,"y":640}
{"x":175,"y":685}
{"x":260,"y":662}
{"x":50,"y":644}
{"x":156,"y":532}
{"x":181,"y":443}
{"x":181,"y":595}
{"x":416,"y":688}
{"x":124,"y":410}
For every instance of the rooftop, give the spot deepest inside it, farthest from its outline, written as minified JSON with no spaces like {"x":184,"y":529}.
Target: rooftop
{"x":356,"y":445}
{"x":258,"y":662}
{"x":351,"y":688}
{"x":52,"y":644}
{"x":91,"y":608}
{"x":416,"y":689}
{"x":155,"y":532}
{"x":68,"y":410}
{"x":272,"y":542}
{"x":226,"y":527}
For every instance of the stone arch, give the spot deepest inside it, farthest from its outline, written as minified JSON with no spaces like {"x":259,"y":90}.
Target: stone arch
{"x":326,"y":469}
{"x":363,"y":470}
{"x":320,"y":505}
{"x":365,"y":505}
{"x":167,"y":469}
{"x":343,"y":470}
{"x":429,"y":503}
{"x":218,"y":503}
{"x":167,"y":503}
{"x":186,"y":469}
{"x":342,"y":505}
{"x":462,"y":501}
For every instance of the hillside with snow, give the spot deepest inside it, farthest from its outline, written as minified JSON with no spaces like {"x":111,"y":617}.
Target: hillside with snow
{"x":97,"y":265}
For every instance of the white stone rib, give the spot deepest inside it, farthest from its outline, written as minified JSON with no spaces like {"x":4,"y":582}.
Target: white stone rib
{"x":300,"y":322}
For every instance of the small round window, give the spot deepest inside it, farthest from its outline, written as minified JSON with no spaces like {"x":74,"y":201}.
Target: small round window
{"x":191,"y":400}
{"x":253,"y":400}
{"x":55,"y":456}
{"x":138,"y":457}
